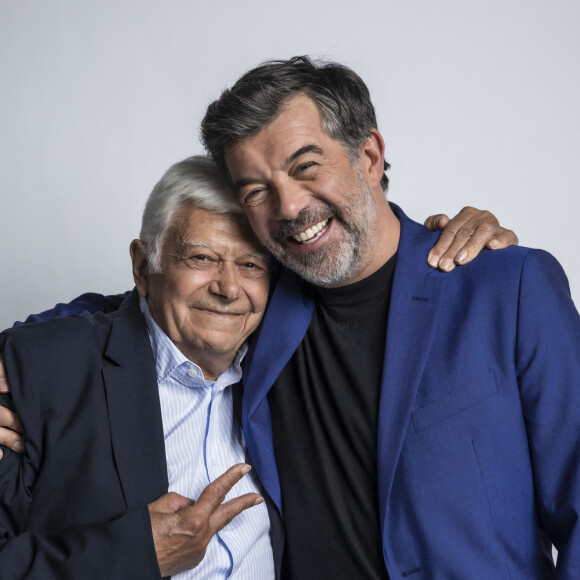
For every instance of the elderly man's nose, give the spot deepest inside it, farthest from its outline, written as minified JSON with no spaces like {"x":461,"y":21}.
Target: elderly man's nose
{"x":226,"y":283}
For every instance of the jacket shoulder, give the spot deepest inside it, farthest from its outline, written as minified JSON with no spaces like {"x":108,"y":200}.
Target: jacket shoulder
{"x":64,"y":336}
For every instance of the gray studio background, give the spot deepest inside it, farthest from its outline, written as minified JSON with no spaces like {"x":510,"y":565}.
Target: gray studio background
{"x":477,"y":101}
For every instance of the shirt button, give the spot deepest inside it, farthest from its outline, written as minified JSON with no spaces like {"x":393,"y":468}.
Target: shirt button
{"x":192,"y":373}
{"x":213,"y":462}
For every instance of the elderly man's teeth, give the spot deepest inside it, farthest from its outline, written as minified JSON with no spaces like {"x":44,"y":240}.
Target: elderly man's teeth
{"x":311,"y":234}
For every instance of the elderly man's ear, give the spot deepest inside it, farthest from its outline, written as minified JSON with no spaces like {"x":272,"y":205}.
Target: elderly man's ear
{"x":140,"y":267}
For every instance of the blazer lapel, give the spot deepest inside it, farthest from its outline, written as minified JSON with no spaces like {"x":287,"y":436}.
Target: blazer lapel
{"x":414,"y":306}
{"x":134,"y":409}
{"x":289,"y":309}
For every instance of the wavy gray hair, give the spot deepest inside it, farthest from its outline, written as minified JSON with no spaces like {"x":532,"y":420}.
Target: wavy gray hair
{"x":194,"y":181}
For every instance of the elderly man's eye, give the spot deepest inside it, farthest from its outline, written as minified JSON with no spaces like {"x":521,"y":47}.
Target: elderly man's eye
{"x":253,"y":269}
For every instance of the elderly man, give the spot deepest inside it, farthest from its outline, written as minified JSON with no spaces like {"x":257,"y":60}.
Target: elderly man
{"x":118,"y":409}
{"x":404,"y":422}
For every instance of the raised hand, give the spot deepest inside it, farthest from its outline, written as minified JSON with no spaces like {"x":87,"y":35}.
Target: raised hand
{"x":182,"y":527}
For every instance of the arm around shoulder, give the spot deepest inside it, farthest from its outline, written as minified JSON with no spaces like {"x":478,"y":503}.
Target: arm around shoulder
{"x":89,"y":302}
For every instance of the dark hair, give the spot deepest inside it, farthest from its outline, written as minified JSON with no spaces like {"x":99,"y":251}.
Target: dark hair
{"x":257,"y":98}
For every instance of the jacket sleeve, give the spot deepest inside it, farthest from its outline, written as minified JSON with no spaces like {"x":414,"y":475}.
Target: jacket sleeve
{"x":119,"y":548}
{"x":89,"y":302}
{"x":548,"y":366}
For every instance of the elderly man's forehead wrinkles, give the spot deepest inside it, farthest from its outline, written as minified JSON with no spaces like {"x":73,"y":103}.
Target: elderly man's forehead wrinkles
{"x":194,"y":244}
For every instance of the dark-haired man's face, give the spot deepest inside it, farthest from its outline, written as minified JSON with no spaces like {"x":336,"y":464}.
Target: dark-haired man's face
{"x":308,"y":203}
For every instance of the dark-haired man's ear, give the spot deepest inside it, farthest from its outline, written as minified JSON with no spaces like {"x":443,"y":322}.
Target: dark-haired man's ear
{"x":373,"y":158}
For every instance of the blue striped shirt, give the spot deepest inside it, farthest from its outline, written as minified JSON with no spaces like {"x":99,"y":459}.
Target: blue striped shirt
{"x":203,"y":440}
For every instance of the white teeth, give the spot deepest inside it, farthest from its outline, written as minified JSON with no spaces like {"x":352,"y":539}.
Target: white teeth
{"x":311,"y":234}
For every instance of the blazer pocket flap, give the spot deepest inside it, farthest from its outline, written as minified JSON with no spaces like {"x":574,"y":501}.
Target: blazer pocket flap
{"x":452,"y":403}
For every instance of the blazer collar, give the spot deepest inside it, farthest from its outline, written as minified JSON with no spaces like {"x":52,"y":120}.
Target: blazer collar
{"x":283,"y":328}
{"x":133,"y":403}
{"x":285,"y":324}
{"x":414,"y":306}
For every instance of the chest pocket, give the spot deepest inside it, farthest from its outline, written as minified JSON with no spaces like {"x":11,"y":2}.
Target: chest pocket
{"x":454,"y":402}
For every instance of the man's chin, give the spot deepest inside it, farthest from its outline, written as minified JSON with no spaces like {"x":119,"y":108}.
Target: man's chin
{"x":323,"y":273}
{"x":319,"y":265}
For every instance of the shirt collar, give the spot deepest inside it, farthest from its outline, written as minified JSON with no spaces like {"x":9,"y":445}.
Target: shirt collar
{"x":171,"y":362}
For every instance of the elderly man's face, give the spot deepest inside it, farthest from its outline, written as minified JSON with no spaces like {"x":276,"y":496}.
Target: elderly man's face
{"x":308,"y":202}
{"x":213,"y":289}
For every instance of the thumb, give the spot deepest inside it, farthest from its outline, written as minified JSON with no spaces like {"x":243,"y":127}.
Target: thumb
{"x":170,"y":503}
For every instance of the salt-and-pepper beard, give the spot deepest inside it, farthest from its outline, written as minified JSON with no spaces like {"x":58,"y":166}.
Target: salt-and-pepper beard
{"x":337,"y":261}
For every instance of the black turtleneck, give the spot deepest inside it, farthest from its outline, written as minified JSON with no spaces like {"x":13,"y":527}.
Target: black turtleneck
{"x":324,"y":409}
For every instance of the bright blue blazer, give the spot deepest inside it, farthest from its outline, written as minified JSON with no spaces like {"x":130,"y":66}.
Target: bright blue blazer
{"x":479,"y":419}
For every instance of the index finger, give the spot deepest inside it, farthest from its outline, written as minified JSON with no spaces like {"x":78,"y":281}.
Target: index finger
{"x":215,"y":493}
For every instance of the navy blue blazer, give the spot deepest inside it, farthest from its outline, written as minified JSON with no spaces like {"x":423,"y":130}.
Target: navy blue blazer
{"x":479,"y":419}
{"x":75,"y":505}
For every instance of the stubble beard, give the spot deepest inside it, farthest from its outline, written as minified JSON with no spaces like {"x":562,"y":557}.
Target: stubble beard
{"x":336,"y":262}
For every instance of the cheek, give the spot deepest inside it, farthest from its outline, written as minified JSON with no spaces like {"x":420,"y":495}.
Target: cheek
{"x":258,"y":295}
{"x":171,"y":304}
{"x":189,"y":282}
{"x":333,"y":182}
{"x":259,"y":221}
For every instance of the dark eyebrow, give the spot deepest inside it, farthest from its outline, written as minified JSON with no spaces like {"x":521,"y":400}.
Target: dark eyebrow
{"x":305,"y":149}
{"x":241,"y":183}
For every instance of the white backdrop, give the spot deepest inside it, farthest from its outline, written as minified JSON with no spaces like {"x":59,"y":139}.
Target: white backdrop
{"x":477,"y":101}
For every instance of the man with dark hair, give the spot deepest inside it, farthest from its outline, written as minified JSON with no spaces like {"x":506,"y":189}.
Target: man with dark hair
{"x":403,"y":422}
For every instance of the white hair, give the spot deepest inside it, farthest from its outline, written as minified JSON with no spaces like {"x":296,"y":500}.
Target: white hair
{"x":194,"y":181}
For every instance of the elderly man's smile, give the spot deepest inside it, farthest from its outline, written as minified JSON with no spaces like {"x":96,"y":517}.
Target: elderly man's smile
{"x":222,"y":314}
